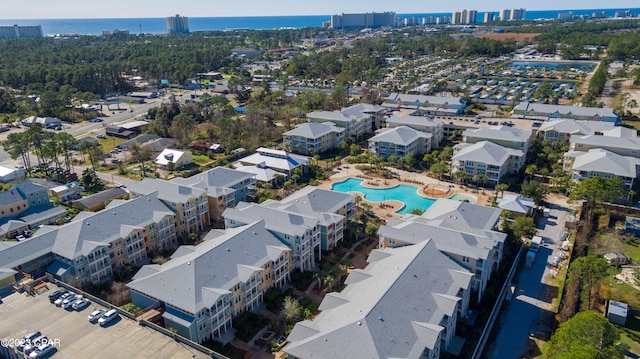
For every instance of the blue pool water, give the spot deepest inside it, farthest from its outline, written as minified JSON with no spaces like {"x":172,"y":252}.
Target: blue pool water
{"x":403,"y":193}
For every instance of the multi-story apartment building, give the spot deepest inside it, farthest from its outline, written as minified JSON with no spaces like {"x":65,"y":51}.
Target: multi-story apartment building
{"x":268,"y":164}
{"x":191,"y":204}
{"x":355,"y":125}
{"x":93,"y":245}
{"x":404,"y":304}
{"x":225,"y":187}
{"x":21,"y":197}
{"x":598,"y":162}
{"x":504,"y":136}
{"x":486,"y":158}
{"x":20,"y":32}
{"x":542,"y":111}
{"x":313,"y":138}
{"x":623,"y":146}
{"x":300,"y":232}
{"x":177,"y":24}
{"x":563,"y":129}
{"x":204,"y":287}
{"x":399,"y":142}
{"x":331,"y":208}
{"x":465,"y":232}
{"x":420,"y":123}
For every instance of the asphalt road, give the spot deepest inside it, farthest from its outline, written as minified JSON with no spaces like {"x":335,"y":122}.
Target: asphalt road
{"x":531,"y":302}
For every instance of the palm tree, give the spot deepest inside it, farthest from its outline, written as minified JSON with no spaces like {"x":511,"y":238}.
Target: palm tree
{"x":501,"y":187}
{"x":460,"y":176}
{"x":480,"y":178}
{"x":531,"y":170}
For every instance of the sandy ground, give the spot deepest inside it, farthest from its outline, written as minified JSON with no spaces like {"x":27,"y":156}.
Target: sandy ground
{"x":387,"y":209}
{"x":507,"y":36}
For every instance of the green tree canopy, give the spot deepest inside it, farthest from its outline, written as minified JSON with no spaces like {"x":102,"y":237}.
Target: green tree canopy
{"x":588,"y":272}
{"x":535,"y":190}
{"x":586,"y":335}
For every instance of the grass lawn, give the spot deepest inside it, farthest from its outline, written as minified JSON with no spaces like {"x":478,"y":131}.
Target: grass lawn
{"x":201,"y":160}
{"x":110,"y":143}
{"x":614,"y":289}
{"x":630,"y":334}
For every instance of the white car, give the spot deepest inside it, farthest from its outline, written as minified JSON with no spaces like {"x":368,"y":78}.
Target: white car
{"x":80,"y":304}
{"x":34,"y":344}
{"x":59,"y":301}
{"x":95,"y":315}
{"x":67,"y":303}
{"x":43,"y":351}
{"x":108,"y":317}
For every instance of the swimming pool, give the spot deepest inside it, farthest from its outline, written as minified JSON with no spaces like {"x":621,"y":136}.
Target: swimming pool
{"x":404,"y":193}
{"x":463,"y":198}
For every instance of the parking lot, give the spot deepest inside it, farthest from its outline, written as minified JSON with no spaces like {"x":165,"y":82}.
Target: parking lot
{"x":75,"y":337}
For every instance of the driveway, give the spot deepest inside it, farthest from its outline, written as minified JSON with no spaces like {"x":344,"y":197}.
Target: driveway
{"x":531,"y":304}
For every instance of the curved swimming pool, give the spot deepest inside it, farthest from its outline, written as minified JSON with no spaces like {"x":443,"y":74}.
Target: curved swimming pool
{"x":404,"y":193}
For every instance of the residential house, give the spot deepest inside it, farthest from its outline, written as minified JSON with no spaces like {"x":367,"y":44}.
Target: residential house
{"x":174,"y":159}
{"x":331,"y":208}
{"x":562,"y":129}
{"x":428,"y":105}
{"x":269,"y":165}
{"x":190,"y":203}
{"x":602,"y":163}
{"x":624,"y":146}
{"x":225,"y":187}
{"x":486,"y":158}
{"x":518,"y":206}
{"x":204,"y":287}
{"x":504,"y":136}
{"x":544,"y":111}
{"x":47,"y":122}
{"x":313,"y":138}
{"x":420,"y":123}
{"x":399,"y":141}
{"x":404,"y":304}
{"x":299,"y":232}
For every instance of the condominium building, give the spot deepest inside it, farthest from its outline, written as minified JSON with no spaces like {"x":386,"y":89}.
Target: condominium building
{"x":177,"y":24}
{"x":429,"y":105}
{"x":20,"y":32}
{"x":420,"y":123}
{"x":504,"y":136}
{"x":225,"y":187}
{"x":355,"y":124}
{"x":190,"y":203}
{"x":486,"y":158}
{"x":313,"y":138}
{"x":399,"y":141}
{"x":364,"y":20}
{"x":404,"y":304}
{"x":624,"y":146}
{"x":203,"y":287}
{"x":268,"y":164}
{"x":598,"y":162}
{"x":299,"y":232}
{"x":563,"y":129}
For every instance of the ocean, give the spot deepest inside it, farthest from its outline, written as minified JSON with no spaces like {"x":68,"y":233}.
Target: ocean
{"x":158,"y":25}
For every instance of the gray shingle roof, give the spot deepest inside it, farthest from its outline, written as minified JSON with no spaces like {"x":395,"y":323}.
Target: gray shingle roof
{"x":277,"y":220}
{"x":436,"y":100}
{"x":565,"y":110}
{"x":314,"y":129}
{"x":216,"y":177}
{"x":514,"y":203}
{"x":415,"y":121}
{"x":335,"y":116}
{"x":503,"y":133}
{"x":197,"y":276}
{"x":632,"y":143}
{"x":167,"y":191}
{"x":572,"y":126}
{"x":313,"y":200}
{"x":81,"y":236}
{"x":601,"y":160}
{"x":462,"y":215}
{"x":27,"y":187}
{"x":391,"y":309}
{"x":485,"y":152}
{"x":401,"y":135}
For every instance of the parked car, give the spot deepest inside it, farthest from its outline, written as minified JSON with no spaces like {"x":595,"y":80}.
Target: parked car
{"x":34,"y":344}
{"x":95,"y":315}
{"x":108,"y":317}
{"x":101,"y":135}
{"x":95,"y":120}
{"x":58,"y":302}
{"x":43,"y":351}
{"x":27,"y":339}
{"x":55,"y":295}
{"x":67,"y":303}
{"x":81,"y":304}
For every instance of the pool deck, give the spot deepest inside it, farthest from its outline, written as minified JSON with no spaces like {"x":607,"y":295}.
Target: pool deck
{"x":388,"y":208}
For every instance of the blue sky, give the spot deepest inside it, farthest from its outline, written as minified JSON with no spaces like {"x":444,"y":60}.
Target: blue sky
{"x":65,"y":9}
